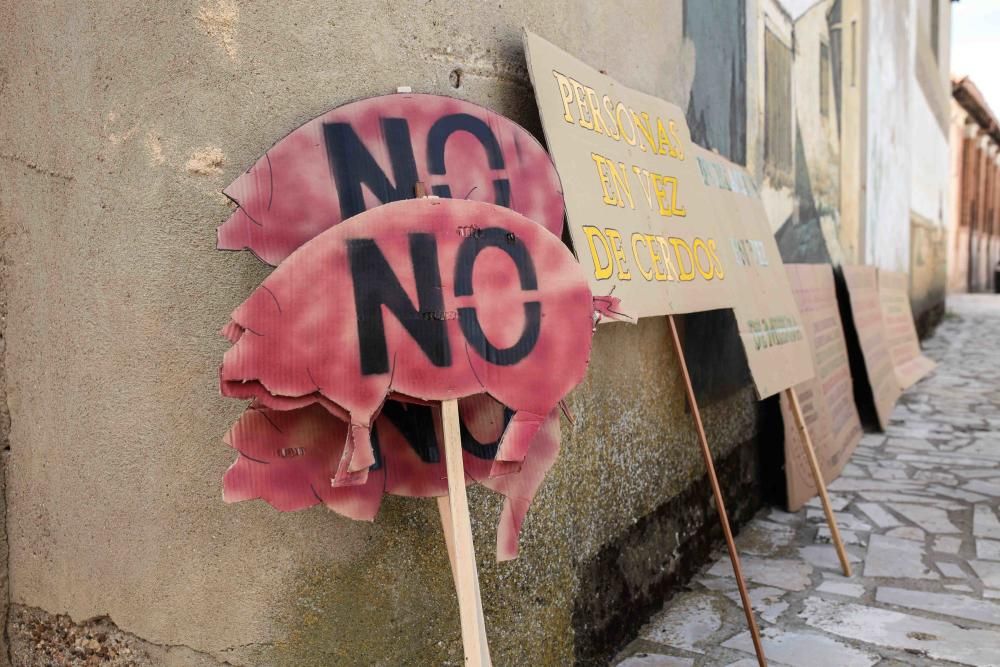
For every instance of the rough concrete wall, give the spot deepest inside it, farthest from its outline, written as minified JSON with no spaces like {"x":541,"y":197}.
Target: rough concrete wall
{"x":119,"y":125}
{"x":4,"y":421}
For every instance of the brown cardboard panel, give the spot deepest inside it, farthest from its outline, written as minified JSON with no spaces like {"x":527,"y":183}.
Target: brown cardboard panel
{"x":827,"y":400}
{"x":658,"y":221}
{"x":866,"y":309}
{"x":901,"y":333}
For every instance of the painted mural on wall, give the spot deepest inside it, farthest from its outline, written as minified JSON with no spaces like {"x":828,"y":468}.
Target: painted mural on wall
{"x":802,"y":62}
{"x":717,"y":109}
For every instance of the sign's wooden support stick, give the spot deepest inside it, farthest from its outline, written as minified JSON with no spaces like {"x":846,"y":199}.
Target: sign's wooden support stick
{"x":444,"y":510}
{"x":466,"y":577}
{"x":734,"y":556}
{"x":831,"y":519}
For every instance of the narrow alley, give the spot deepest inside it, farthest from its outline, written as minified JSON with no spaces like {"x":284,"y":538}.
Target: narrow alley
{"x":917,"y":506}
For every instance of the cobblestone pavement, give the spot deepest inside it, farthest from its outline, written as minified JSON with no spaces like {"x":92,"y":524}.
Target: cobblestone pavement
{"x":917,"y":506}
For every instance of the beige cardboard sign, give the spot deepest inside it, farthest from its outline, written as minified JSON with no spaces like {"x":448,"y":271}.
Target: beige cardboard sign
{"x":866,"y":309}
{"x":660,"y":222}
{"x":904,"y":348}
{"x":827,"y":400}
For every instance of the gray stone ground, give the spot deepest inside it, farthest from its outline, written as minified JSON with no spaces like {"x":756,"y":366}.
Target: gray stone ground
{"x":918,"y":506}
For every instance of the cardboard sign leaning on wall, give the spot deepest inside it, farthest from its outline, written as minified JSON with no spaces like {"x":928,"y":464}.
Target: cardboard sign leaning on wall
{"x":352,"y":158}
{"x":866,"y":311}
{"x":374,"y":151}
{"x":827,"y":400}
{"x":661,"y":223}
{"x":423,"y":300}
{"x":288,"y":457}
{"x":901,"y":333}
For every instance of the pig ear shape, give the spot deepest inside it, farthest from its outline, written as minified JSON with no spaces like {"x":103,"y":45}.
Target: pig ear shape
{"x":252,"y":192}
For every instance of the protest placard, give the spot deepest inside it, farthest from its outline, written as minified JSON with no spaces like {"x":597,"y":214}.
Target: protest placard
{"x":827,"y":400}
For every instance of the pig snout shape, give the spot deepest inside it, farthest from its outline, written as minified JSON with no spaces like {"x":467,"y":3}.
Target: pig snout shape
{"x":428,"y":299}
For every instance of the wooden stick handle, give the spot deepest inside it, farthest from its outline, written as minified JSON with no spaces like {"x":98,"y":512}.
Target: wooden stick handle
{"x":444,"y":510}
{"x":734,"y":556}
{"x":817,"y":474}
{"x":470,"y":605}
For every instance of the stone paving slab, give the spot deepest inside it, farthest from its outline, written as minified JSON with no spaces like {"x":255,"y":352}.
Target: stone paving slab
{"x":919,"y":508}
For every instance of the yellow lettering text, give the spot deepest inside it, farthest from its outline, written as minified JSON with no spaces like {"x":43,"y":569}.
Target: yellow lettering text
{"x":604,"y":168}
{"x":616,"y":135}
{"x":668,"y":263}
{"x":616,"y":248}
{"x":566,"y":92}
{"x":665,"y":146}
{"x":580,"y":94}
{"x":602,"y":269}
{"x":686,"y":274}
{"x":709,"y":273}
{"x":620,"y":110}
{"x":637,"y":238}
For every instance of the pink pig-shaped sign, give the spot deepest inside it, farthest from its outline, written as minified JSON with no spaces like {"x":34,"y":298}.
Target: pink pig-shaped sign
{"x":374,"y":151}
{"x":288,"y":457}
{"x":429,"y":300}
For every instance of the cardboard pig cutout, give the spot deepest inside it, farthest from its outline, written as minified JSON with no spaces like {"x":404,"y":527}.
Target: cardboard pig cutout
{"x":350,"y":159}
{"x":288,"y":457}
{"x":374,"y":151}
{"x":429,"y":299}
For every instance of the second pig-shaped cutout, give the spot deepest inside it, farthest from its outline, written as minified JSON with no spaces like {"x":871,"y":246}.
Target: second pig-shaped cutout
{"x":428,"y":299}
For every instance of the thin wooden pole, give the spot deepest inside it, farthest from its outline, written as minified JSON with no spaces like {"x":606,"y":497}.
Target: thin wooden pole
{"x":720,"y":505}
{"x":474,"y":643}
{"x":831,"y":518}
{"x":444,"y":510}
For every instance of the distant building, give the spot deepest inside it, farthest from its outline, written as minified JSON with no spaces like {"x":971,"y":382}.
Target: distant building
{"x":974,"y":235}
